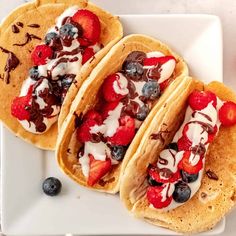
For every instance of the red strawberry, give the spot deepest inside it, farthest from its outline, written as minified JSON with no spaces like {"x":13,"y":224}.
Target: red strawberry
{"x":84,"y":42}
{"x":87,"y":54}
{"x":152,"y":61}
{"x":198,"y":100}
{"x":83,"y":132}
{"x":109,"y":93}
{"x":125,"y":133}
{"x":93,"y":115}
{"x":90,"y":24}
{"x":211,"y":136}
{"x":154,"y":196}
{"x":97,"y":170}
{"x":19,"y":106}
{"x":41,"y":54}
{"x":185,"y":164}
{"x":164,"y":84}
{"x":227,"y":114}
{"x":110,"y":106}
{"x":184,"y":143}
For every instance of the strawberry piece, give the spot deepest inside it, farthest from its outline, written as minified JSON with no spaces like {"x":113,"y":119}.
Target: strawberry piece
{"x":212,"y":135}
{"x":87,"y":54}
{"x":184,"y":143}
{"x":125,"y":133}
{"x":164,"y":84}
{"x":97,"y":169}
{"x":83,"y":132}
{"x":227,"y":114}
{"x":110,"y":106}
{"x":185,"y":164}
{"x":154,"y":196}
{"x":109,"y":93}
{"x":198,"y":100}
{"x":153,"y":61}
{"x":93,"y":115}
{"x":90,"y":24}
{"x":41,"y":54}
{"x":84,"y":42}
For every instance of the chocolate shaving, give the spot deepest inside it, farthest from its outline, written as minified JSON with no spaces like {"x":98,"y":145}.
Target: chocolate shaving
{"x":29,"y":38}
{"x":68,"y":151}
{"x":211,"y":175}
{"x":34,"y":26}
{"x":78,"y":119}
{"x":20,"y":24}
{"x":159,"y":135}
{"x":203,"y":195}
{"x":15,"y":29}
{"x":102,"y":182}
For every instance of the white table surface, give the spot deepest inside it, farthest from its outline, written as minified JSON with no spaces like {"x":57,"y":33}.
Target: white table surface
{"x":226,"y":10}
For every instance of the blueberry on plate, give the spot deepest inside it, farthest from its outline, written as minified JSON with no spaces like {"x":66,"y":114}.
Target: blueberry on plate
{"x":51,"y":186}
{"x":151,"y":90}
{"x":118,"y":152}
{"x":68,"y":30}
{"x":52,"y":36}
{"x":34,"y":73}
{"x":133,"y":69}
{"x":182,"y":192}
{"x":173,"y":146}
{"x":142,"y":113}
{"x":188,"y":178}
{"x":153,"y":182}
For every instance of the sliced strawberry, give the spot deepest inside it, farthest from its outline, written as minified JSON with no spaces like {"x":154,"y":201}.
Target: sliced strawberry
{"x":93,"y":115}
{"x":125,"y":133}
{"x":41,"y":54}
{"x":164,"y":84}
{"x":152,"y":61}
{"x":109,"y":93}
{"x":84,"y":42}
{"x":185,"y":164}
{"x":110,"y":106}
{"x":90,"y":24}
{"x":97,"y":169}
{"x":83,"y":132}
{"x":198,"y":100}
{"x":212,"y":135}
{"x":227,"y":114}
{"x":154,"y":196}
{"x":184,"y":143}
{"x":87,"y":54}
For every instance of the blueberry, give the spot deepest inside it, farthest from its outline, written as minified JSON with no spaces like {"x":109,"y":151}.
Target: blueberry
{"x":52,"y":36}
{"x":34,"y":73}
{"x":51,"y":186}
{"x":142,"y":113}
{"x":133,"y":69}
{"x":173,"y":146}
{"x":151,"y":90}
{"x":153,"y":182}
{"x":68,"y":30}
{"x":182,"y":192}
{"x":188,"y":178}
{"x":66,"y":82}
{"x":118,"y":152}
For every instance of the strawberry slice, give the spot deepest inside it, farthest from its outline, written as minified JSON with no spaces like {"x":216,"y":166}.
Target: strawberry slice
{"x":110,"y":106}
{"x":154,"y":196}
{"x":93,"y":115}
{"x":87,"y":54}
{"x":184,"y":143}
{"x":83,"y":132}
{"x":198,"y":100}
{"x":227,"y":114}
{"x":185,"y":164}
{"x":125,"y":133}
{"x":164,"y":84}
{"x":212,"y":135}
{"x":90,"y":24}
{"x":97,"y":169}
{"x":41,"y":54}
{"x":153,"y":61}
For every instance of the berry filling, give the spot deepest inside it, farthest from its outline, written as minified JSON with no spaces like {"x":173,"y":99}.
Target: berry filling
{"x":126,"y":99}
{"x":180,"y":165}
{"x":69,"y":45}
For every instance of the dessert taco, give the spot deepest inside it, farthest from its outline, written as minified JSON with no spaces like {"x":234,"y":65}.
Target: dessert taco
{"x":48,"y":48}
{"x":114,"y":107}
{"x":182,"y":176}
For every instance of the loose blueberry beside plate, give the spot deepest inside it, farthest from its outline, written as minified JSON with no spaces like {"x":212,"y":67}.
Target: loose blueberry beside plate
{"x":51,"y":186}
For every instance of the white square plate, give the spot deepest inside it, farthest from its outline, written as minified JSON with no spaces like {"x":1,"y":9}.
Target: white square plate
{"x":26,"y":210}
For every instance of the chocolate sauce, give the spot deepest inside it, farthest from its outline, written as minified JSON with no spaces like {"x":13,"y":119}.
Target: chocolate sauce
{"x":159,"y":135}
{"x":11,"y":64}
{"x":15,"y":29}
{"x":206,"y":127}
{"x":204,"y":115}
{"x":67,"y":53}
{"x":198,"y":149}
{"x":20,"y":24}
{"x":163,"y":161}
{"x":34,"y":26}
{"x":154,"y":73}
{"x":102,"y":182}
{"x":78,"y":119}
{"x":211,"y":175}
{"x":29,"y":38}
{"x":165,"y":173}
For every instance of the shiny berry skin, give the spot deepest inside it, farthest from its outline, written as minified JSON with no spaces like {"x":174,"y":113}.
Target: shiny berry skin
{"x":212,"y":135}
{"x":198,"y":100}
{"x":153,"y":182}
{"x":83,"y":132}
{"x":151,"y":61}
{"x":133,"y":69}
{"x":50,"y":37}
{"x":51,"y":186}
{"x":184,"y":143}
{"x":93,"y":115}
{"x":118,"y":152}
{"x":188,"y":178}
{"x":151,"y":90}
{"x":87,"y":54}
{"x":182,"y":192}
{"x":68,"y":30}
{"x":41,"y":54}
{"x":110,"y":106}
{"x":173,"y":146}
{"x":34,"y":73}
{"x":227,"y":114}
{"x":142,"y":113}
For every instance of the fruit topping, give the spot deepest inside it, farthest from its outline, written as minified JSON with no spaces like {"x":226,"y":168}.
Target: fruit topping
{"x":125,"y":132}
{"x":212,"y":135}
{"x":198,"y":100}
{"x":34,"y":73}
{"x":70,"y":31}
{"x":135,"y":56}
{"x":90,"y":24}
{"x":151,"y":90}
{"x":118,"y":152}
{"x":87,"y":54}
{"x":173,"y":146}
{"x":133,"y":69}
{"x":41,"y":54}
{"x":164,"y":84}
{"x":184,"y":143}
{"x":153,"y":182}
{"x":227,"y":114}
{"x":182,"y":192}
{"x":142,"y":112}
{"x":51,"y":186}
{"x":153,"y":61}
{"x":110,"y":106}
{"x":52,"y":36}
{"x":93,"y":115}
{"x":97,"y":169}
{"x":188,"y":178}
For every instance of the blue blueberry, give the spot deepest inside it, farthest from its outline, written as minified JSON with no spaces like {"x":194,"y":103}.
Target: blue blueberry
{"x":34,"y":73}
{"x":118,"y":152}
{"x":153,"y":182}
{"x":68,"y":30}
{"x":188,"y":178}
{"x":182,"y":192}
{"x":142,"y":113}
{"x":133,"y":69}
{"x":50,"y":37}
{"x":51,"y":186}
{"x":151,"y":90}
{"x":173,"y":146}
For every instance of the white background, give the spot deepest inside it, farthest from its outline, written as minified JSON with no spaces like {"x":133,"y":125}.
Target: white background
{"x":226,"y":10}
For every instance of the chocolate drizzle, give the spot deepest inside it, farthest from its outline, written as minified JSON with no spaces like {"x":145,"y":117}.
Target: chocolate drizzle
{"x":34,"y":26}
{"x":29,"y":38}
{"x":20,"y":24}
{"x":15,"y":29}
{"x":78,"y":119}
{"x":159,"y":135}
{"x":211,"y":175}
{"x":201,"y":113}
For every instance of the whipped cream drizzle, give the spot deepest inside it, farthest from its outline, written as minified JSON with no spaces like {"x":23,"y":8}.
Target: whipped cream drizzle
{"x":65,"y":64}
